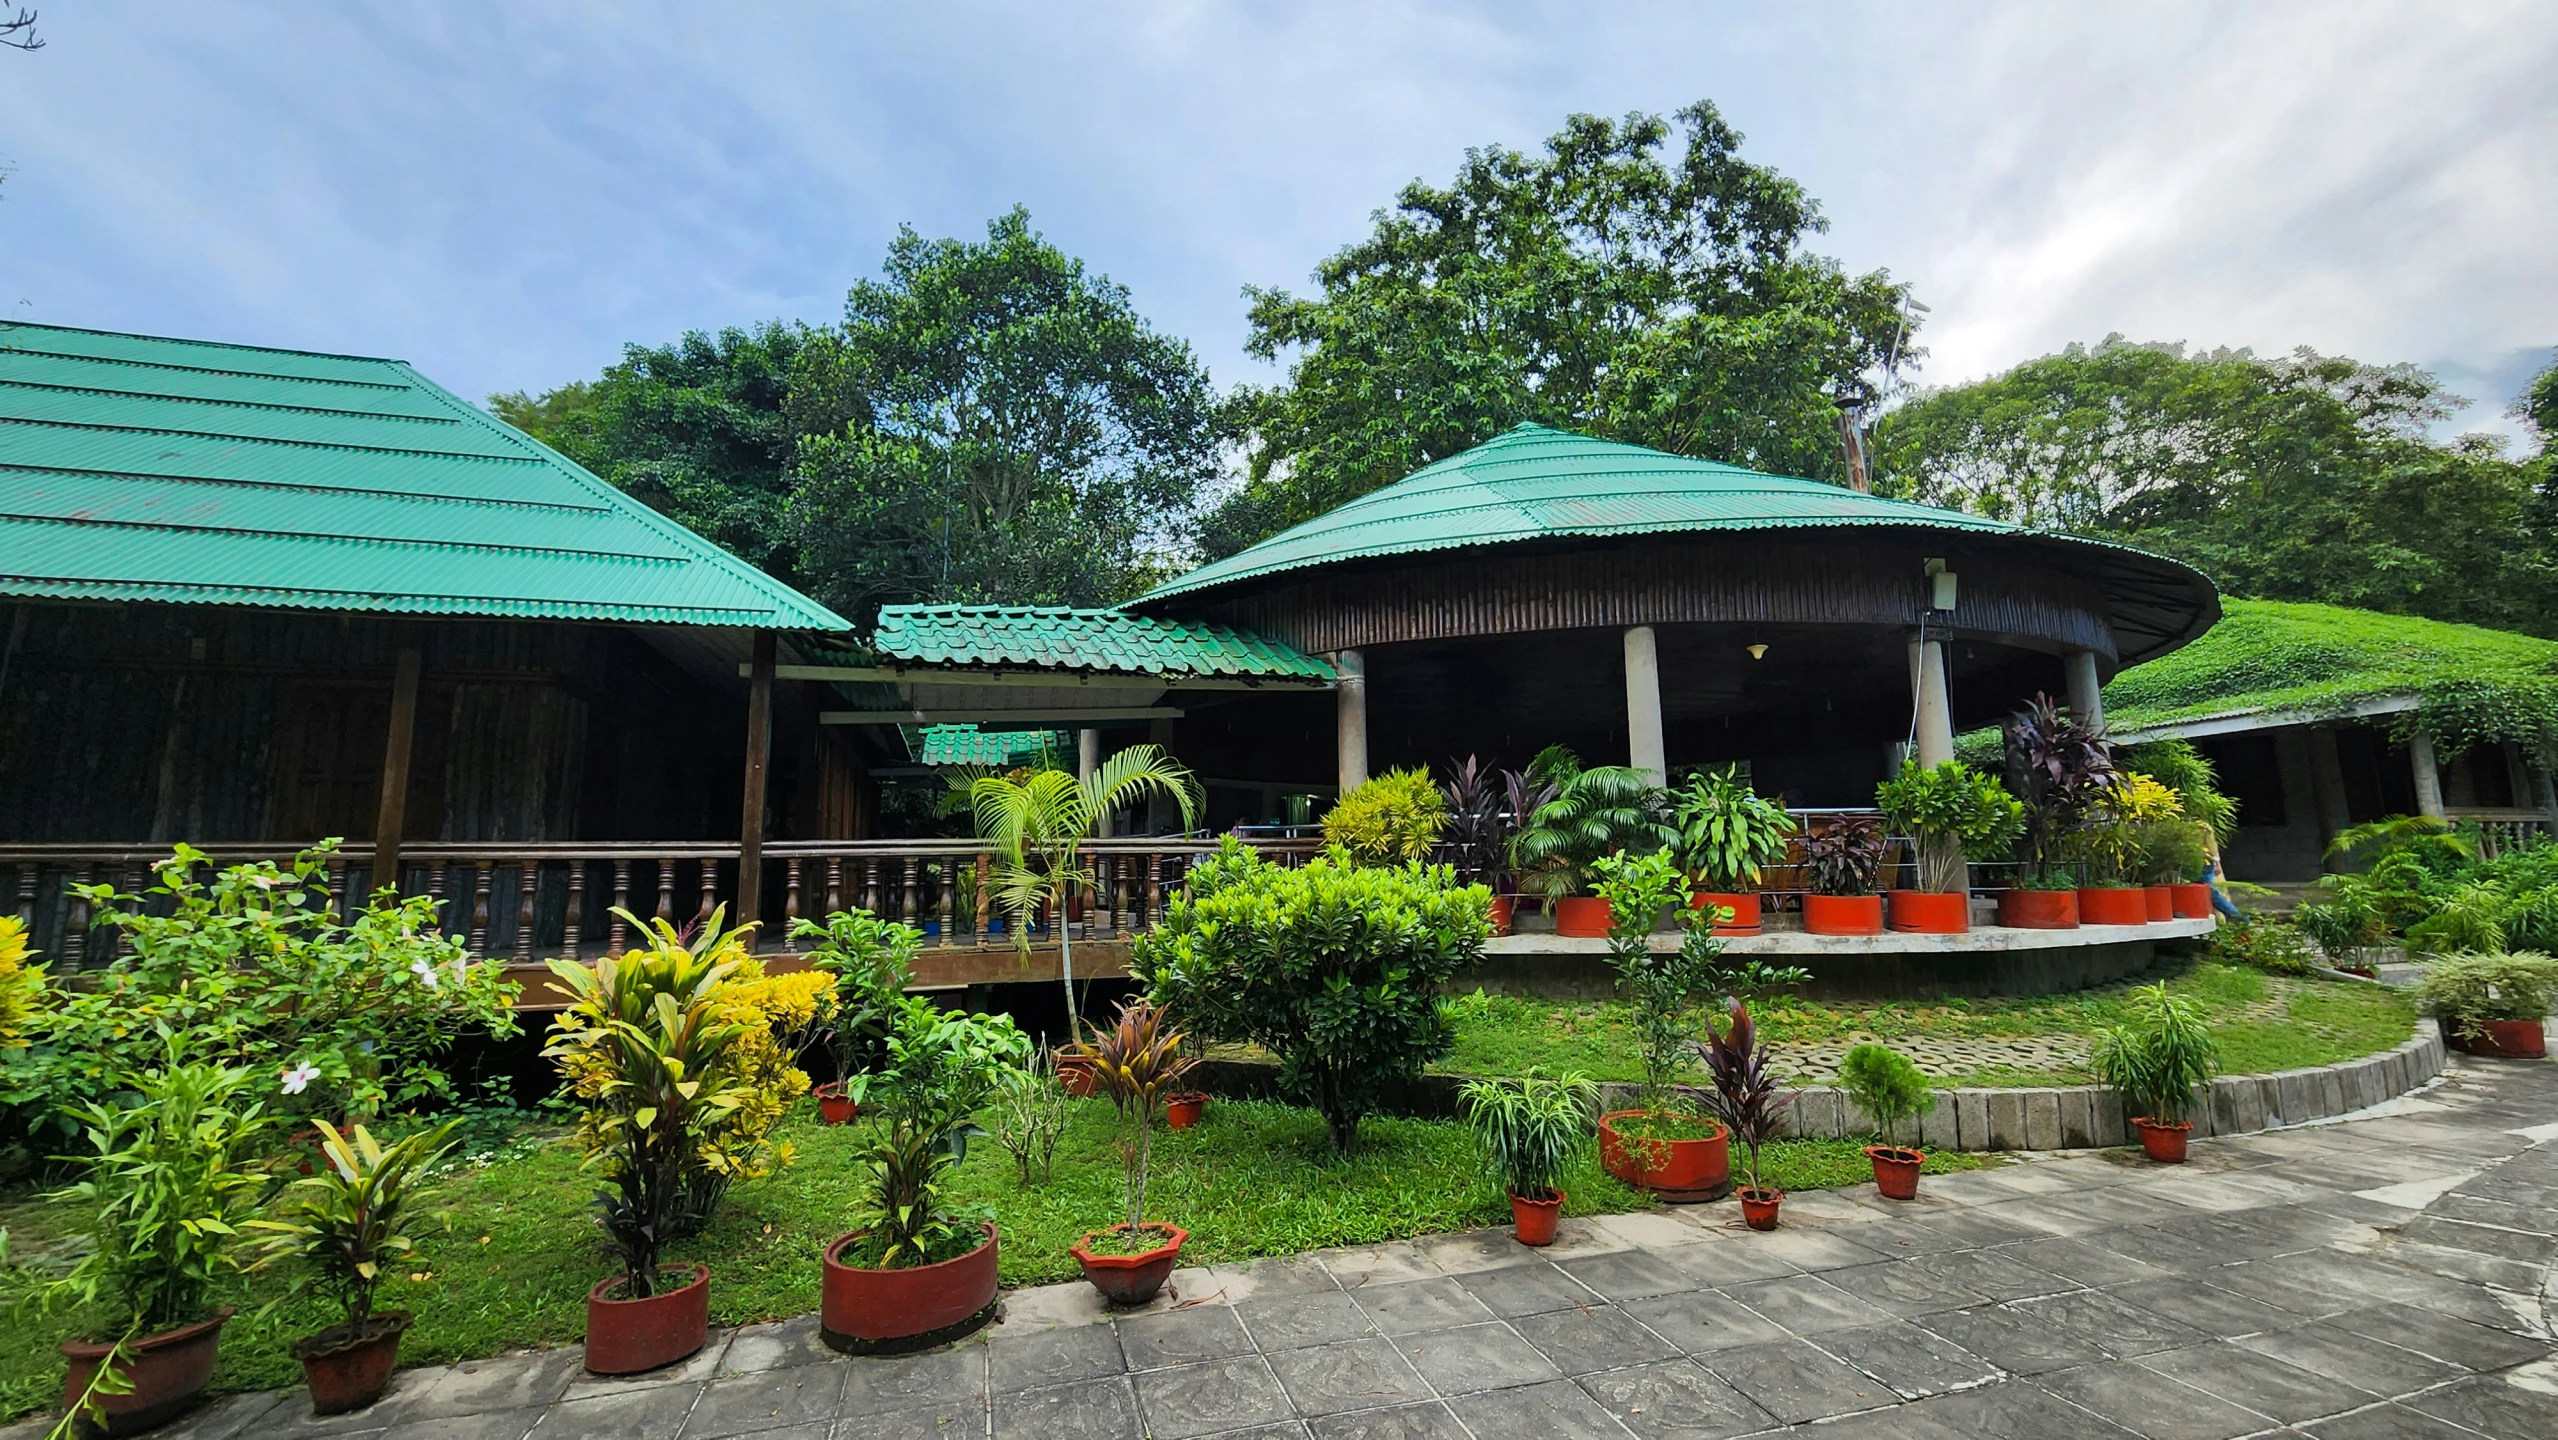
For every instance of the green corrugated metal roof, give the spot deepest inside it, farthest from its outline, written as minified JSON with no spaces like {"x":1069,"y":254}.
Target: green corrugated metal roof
{"x":1058,"y":637}
{"x":968,"y":745}
{"x":182,"y":471}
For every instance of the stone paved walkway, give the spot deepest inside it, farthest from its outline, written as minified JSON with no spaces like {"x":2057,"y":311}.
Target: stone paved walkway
{"x":2385,"y":1277}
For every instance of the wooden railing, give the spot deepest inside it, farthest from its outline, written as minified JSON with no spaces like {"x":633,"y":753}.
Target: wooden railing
{"x":2500,"y":830}
{"x":531,"y":901}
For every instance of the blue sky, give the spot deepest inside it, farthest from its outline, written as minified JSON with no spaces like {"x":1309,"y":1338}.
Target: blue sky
{"x":505,"y":195}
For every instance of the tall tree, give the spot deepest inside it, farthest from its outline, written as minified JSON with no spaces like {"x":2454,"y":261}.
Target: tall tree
{"x":1604,"y":285}
{"x":992,"y":423}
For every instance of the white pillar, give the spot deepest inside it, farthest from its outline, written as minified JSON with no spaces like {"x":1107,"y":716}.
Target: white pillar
{"x":1645,"y":749}
{"x":2428,"y":774}
{"x":1088,"y":760}
{"x":1350,"y":694}
{"x":2086,"y":704}
{"x":1935,"y":707}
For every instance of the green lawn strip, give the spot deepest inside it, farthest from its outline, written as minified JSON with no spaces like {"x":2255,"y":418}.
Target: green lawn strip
{"x":1253,"y":1179}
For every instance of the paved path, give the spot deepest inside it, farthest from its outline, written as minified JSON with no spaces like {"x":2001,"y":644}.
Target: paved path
{"x":2385,"y":1277}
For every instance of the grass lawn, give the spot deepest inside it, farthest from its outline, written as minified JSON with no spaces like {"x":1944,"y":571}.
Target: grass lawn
{"x":2263,"y":1022}
{"x":510,"y":1246}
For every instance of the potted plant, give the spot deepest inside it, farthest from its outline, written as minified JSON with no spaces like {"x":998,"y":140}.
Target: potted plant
{"x":1480,"y":824}
{"x":1529,"y":1129}
{"x":2493,"y":1005}
{"x":172,"y":1181}
{"x":2109,"y":837}
{"x":1678,"y":1156}
{"x":1845,"y":858}
{"x":1138,"y":1064}
{"x":2154,"y":1061}
{"x":2185,"y":770}
{"x":1727,"y":834}
{"x":1889,"y":1089}
{"x":912,"y":1267}
{"x":1745,"y":1099}
{"x":349,"y":1222}
{"x":873,"y":961}
{"x":2171,"y":852}
{"x":2060,"y":769}
{"x":1594,"y":813}
{"x":1953,"y":813}
{"x":644,"y":1048}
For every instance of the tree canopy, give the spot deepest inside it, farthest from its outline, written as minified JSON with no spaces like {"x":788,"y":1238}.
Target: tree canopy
{"x":1605,"y":285}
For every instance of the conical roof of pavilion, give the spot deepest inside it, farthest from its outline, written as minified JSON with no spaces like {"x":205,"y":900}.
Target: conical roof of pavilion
{"x":1534,"y":485}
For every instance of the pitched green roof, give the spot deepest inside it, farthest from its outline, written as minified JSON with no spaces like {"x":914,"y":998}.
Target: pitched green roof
{"x":968,"y":745}
{"x":1058,"y":637}
{"x":138,"y":468}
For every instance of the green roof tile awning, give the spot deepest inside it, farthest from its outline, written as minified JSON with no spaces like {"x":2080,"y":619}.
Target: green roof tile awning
{"x":186,"y":472}
{"x":968,"y":745}
{"x":1061,"y":638}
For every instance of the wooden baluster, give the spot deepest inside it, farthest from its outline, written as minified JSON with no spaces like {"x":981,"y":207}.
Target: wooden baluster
{"x":790,"y":896}
{"x":337,"y":890}
{"x":481,"y":873}
{"x":665,"y":889}
{"x":27,"y":897}
{"x":870,"y":886}
{"x":528,"y":881}
{"x":1154,"y":889}
{"x":619,"y":934}
{"x":950,"y":900}
{"x":435,"y":877}
{"x":906,"y":897}
{"x":834,"y":883}
{"x":985,"y":891}
{"x":79,"y":911}
{"x":710,"y":888}
{"x":573,"y":929}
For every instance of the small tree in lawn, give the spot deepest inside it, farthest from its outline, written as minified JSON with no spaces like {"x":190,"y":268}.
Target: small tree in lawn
{"x":2155,"y":1059}
{"x":1889,"y":1089}
{"x":1136,"y":1062}
{"x":1658,"y":986}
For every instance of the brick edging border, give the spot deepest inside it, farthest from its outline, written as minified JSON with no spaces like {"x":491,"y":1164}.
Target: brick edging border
{"x":2077,"y":1117}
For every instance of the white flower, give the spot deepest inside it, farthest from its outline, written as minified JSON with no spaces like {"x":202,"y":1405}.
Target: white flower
{"x":425,"y":970}
{"x":300,"y":1077}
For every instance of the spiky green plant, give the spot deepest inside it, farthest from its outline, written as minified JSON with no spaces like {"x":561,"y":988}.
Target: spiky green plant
{"x":2157,"y":1058}
{"x":1529,"y":1129}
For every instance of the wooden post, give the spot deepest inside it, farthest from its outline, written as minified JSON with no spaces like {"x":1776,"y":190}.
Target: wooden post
{"x":759,"y":746}
{"x":393,"y":814}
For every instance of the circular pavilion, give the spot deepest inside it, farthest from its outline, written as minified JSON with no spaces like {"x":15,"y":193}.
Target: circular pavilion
{"x":1546,"y":587}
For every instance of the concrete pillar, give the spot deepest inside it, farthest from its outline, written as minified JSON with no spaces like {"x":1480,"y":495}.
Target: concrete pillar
{"x":1935,"y":707}
{"x":1350,"y":696}
{"x":2327,"y":787}
{"x":1645,"y":749}
{"x":1088,"y":760}
{"x":2544,"y":785}
{"x":2518,"y":778}
{"x":2085,"y":701}
{"x":2428,"y":774}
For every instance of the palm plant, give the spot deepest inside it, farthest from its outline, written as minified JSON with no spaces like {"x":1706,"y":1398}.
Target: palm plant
{"x":2155,"y":1060}
{"x":1136,"y":1062}
{"x":1728,"y":832}
{"x":1745,"y":1095}
{"x":351,"y":1219}
{"x":1530,"y":1129}
{"x":1040,"y":823}
{"x":1595,"y":812}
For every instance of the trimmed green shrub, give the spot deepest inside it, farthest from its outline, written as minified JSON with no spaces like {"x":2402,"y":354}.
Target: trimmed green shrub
{"x":1885,"y":1085}
{"x":1392,"y":820}
{"x":2466,"y":990}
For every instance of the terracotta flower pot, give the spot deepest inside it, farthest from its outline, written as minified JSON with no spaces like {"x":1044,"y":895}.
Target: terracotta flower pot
{"x":348,"y":1371}
{"x":1501,"y":913}
{"x":856,"y":1305}
{"x":1758,"y":1207}
{"x":1896,"y":1170}
{"x":1076,"y":1074}
{"x":2112,"y":905}
{"x":1533,"y":1221}
{"x":625,"y":1337}
{"x":1843,"y":914}
{"x":2161,"y":902}
{"x":1182,"y":1111}
{"x":1679,"y":1171}
{"x":2506,"y":1040}
{"x":1585,"y":916}
{"x":1744,"y":908}
{"x":834,"y":1106}
{"x":2164,"y":1140}
{"x":168,"y":1371}
{"x":1931,"y":912}
{"x":1129,"y":1279}
{"x":2038,"y":909}
{"x":2191,"y":902}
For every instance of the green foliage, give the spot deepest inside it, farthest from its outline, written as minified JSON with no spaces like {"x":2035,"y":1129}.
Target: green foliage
{"x":2156,"y":1058}
{"x":943,"y":1067}
{"x":1885,"y":1085}
{"x":1529,"y":1129}
{"x":2342,"y":924}
{"x":1661,"y":988}
{"x":250,"y":969}
{"x":2469,"y":920}
{"x":873,"y":961}
{"x":1595,"y":812}
{"x":2267,"y":945}
{"x":1727,"y":832}
{"x":1954,"y":812}
{"x":23,"y":985}
{"x":351,"y":1219}
{"x":2170,"y":852}
{"x":1394,"y":819}
{"x":1845,"y":856}
{"x":1030,"y":1115}
{"x":2180,"y":767}
{"x":1605,"y":285}
{"x":1334,"y":968}
{"x":2466,"y":990}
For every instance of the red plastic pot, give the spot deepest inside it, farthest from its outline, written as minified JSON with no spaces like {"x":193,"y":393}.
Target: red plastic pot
{"x":168,"y":1371}
{"x":625,"y":1337}
{"x":1931,"y":912}
{"x":2165,"y":1141}
{"x":1843,"y":914}
{"x":2191,"y":902}
{"x":1077,"y":1075}
{"x":857,"y":1305}
{"x":1744,"y":908}
{"x":1896,"y":1170}
{"x":2161,"y":902}
{"x":1758,"y":1207}
{"x":2112,"y":905}
{"x":1182,"y":1111}
{"x":1585,"y":916}
{"x":1129,"y":1279}
{"x":2038,"y":909}
{"x":2506,"y":1040}
{"x":834,"y":1106}
{"x":350,"y":1371}
{"x":1679,"y":1171}
{"x":1500,"y":913}
{"x":1534,"y":1221}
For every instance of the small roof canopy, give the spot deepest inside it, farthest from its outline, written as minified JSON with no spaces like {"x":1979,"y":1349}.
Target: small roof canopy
{"x":1042,"y":637}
